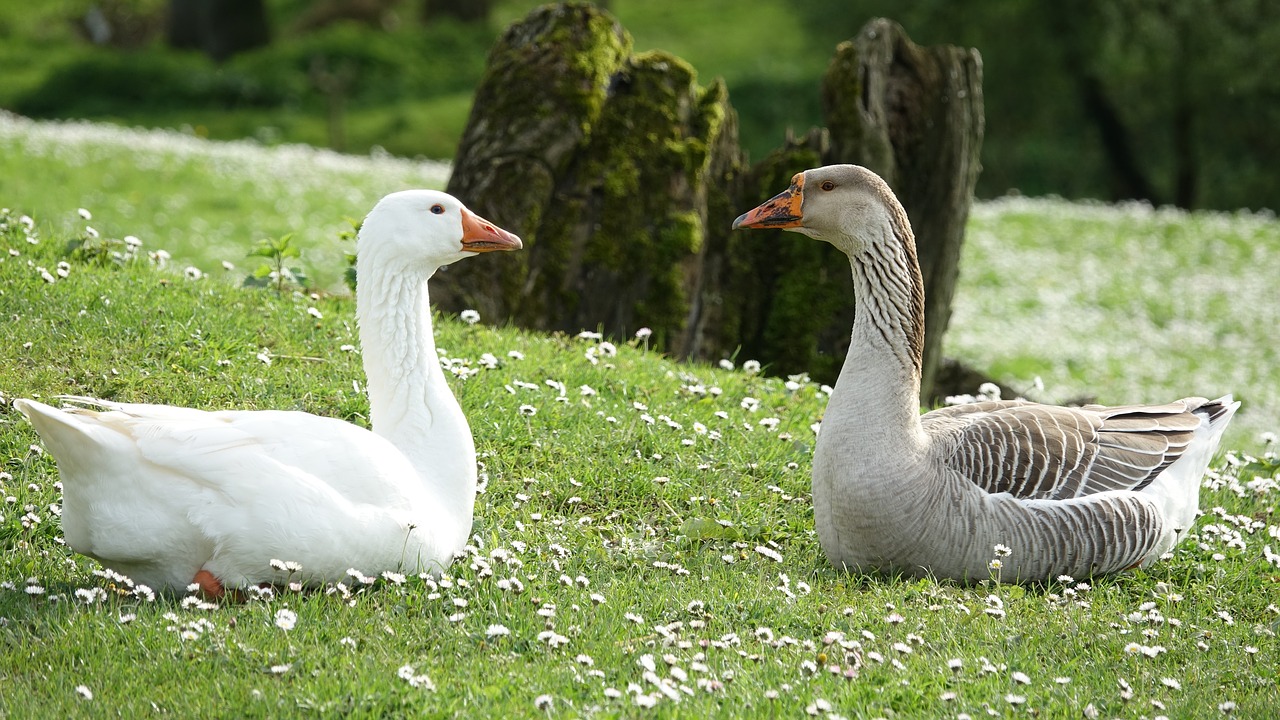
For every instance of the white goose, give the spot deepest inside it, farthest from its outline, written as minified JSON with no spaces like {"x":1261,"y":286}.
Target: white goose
{"x":170,"y":495}
{"x":1072,"y":491}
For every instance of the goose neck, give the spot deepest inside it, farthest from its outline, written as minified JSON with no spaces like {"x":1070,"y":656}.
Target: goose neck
{"x":878,"y":393}
{"x":410,"y":401}
{"x":399,"y":348}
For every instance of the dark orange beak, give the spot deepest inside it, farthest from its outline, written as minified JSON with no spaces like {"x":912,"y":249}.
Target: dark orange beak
{"x":480,"y":235}
{"x":780,"y":211}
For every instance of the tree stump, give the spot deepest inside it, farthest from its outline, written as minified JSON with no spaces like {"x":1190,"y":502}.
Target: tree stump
{"x":791,"y":301}
{"x":915,"y":116}
{"x":623,"y":176}
{"x":600,"y":160}
{"x":543,"y":87}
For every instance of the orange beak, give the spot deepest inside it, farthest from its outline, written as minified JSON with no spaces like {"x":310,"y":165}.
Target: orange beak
{"x":780,"y":211}
{"x":480,"y":235}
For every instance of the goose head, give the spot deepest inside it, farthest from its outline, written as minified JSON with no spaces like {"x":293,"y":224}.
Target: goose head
{"x":846,"y":205}
{"x":853,"y":209}
{"x":430,"y":229}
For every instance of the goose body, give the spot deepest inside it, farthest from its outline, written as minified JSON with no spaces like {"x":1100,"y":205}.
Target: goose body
{"x":171,"y":495}
{"x":1068,"y":491}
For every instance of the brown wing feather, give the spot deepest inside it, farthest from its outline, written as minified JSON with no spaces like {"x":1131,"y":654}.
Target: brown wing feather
{"x":1051,"y":452}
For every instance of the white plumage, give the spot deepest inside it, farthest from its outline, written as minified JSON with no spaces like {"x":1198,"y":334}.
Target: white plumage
{"x":1072,"y":491}
{"x":170,"y":495}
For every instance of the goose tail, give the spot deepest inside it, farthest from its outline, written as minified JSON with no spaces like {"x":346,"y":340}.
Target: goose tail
{"x":1177,"y":489}
{"x":66,"y":433}
{"x":56,"y":427}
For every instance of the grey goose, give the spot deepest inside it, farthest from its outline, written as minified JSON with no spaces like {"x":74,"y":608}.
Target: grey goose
{"x":1065,"y":490}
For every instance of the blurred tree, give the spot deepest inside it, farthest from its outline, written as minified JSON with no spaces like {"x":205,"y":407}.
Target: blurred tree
{"x":1173,"y":88}
{"x":323,"y":13}
{"x":1196,"y":84}
{"x":219,"y":28}
{"x":1078,"y":44}
{"x":471,"y":11}
{"x":914,"y":115}
{"x":607,"y":164}
{"x":122,"y":23}
{"x":1174,"y":101}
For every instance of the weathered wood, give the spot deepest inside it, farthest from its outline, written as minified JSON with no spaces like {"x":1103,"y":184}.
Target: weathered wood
{"x":915,"y":116}
{"x":543,"y":88}
{"x":639,"y":190}
{"x":708,"y":329}
{"x":790,"y":301}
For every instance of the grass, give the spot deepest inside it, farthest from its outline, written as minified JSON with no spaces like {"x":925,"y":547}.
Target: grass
{"x":645,"y":543}
{"x":411,"y":83}
{"x":408,"y":92}
{"x":1123,"y":304}
{"x":205,"y":202}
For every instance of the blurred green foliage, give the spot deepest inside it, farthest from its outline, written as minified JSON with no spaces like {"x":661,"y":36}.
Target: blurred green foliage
{"x":1194,"y":87}
{"x":406,"y":90}
{"x":379,"y":67}
{"x":1173,"y":102}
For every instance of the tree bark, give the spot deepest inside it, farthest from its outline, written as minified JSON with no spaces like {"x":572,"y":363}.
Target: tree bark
{"x":544,"y":86}
{"x":220,"y":28}
{"x":468,"y":11}
{"x":915,"y":116}
{"x":791,"y":301}
{"x":600,"y":160}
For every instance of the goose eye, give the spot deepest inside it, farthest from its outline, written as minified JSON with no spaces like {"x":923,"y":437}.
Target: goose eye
{"x":828,"y":185}
{"x":437,"y":209}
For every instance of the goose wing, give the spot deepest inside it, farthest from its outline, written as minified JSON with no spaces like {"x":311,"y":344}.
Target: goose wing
{"x":260,"y":452}
{"x":1035,"y":451}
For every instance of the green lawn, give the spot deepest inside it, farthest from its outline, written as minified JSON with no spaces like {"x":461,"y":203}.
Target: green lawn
{"x":1123,"y":304}
{"x":644,"y":538}
{"x":204,"y":202}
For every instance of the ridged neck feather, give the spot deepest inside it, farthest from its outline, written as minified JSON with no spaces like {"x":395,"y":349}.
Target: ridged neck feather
{"x":880,"y":379}
{"x":410,"y":401}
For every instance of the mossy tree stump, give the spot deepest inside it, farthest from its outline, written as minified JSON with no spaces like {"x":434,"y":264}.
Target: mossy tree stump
{"x":791,"y":298}
{"x":915,"y":116}
{"x":600,"y":160}
{"x":623,"y":176}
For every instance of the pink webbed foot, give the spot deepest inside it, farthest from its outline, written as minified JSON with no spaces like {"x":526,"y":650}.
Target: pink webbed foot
{"x":209,"y":585}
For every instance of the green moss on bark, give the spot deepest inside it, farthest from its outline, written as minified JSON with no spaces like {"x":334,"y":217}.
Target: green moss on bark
{"x":648,"y":149}
{"x":792,"y":294}
{"x":544,"y":86}
{"x":631,"y":213}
